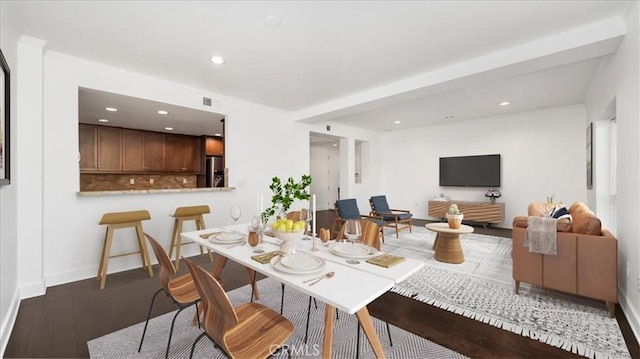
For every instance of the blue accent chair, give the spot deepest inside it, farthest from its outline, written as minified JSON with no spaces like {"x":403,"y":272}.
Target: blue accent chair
{"x":396,"y":218}
{"x":348,"y":209}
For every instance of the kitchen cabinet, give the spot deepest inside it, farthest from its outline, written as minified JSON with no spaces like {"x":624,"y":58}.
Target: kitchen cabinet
{"x":112,"y":149}
{"x":88,"y":141}
{"x":109,"y":149}
{"x":214,"y":146}
{"x":143,"y":151}
{"x":183,"y":154}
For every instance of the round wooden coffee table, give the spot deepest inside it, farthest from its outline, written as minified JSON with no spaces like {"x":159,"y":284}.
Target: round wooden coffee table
{"x":447,"y":243}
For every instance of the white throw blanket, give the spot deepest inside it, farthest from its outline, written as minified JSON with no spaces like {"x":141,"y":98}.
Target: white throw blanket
{"x":541,"y":235}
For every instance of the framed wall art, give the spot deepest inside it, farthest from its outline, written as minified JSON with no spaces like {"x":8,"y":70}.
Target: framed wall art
{"x":5,"y":104}
{"x":590,"y":156}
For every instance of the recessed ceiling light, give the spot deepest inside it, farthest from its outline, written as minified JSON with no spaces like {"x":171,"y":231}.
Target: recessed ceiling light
{"x":112,"y":109}
{"x":396,"y":122}
{"x":217,"y":60}
{"x":504,"y":103}
{"x":335,"y":145}
{"x":103,"y":120}
{"x":163,"y":112}
{"x":169,"y":128}
{"x":217,"y":134}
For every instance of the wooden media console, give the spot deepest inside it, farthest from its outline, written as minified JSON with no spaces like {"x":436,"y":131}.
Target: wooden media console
{"x":483,"y":212}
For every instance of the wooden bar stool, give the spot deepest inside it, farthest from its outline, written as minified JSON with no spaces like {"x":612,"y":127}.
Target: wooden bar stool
{"x":193,"y":213}
{"x":118,"y":220}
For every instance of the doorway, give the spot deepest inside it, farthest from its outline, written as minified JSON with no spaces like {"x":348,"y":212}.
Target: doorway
{"x":324,"y":152}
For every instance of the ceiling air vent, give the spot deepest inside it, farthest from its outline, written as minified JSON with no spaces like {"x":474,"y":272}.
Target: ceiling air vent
{"x":206,"y":101}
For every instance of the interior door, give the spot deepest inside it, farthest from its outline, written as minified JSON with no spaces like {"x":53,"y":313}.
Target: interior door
{"x":334,"y":176}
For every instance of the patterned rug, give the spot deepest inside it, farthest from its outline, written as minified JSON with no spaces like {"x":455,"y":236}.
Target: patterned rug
{"x":124,"y":343}
{"x":482,"y":288}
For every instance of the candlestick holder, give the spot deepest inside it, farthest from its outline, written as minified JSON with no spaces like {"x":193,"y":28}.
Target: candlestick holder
{"x":314,"y":248}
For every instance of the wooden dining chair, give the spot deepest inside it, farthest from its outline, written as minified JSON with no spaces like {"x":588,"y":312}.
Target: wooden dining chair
{"x":250,"y":330}
{"x":181,"y":289}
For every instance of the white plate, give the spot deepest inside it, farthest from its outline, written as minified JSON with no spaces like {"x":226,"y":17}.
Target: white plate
{"x":358,"y":250}
{"x":228,"y":238}
{"x":280,"y":268}
{"x":302,"y":262}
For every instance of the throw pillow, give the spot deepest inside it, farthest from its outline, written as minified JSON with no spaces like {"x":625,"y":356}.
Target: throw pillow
{"x":551,"y":212}
{"x":559,"y":212}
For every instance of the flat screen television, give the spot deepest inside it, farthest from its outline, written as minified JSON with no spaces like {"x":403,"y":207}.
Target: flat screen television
{"x":470,"y":171}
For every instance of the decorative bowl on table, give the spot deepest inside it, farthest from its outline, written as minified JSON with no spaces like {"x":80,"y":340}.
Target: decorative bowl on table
{"x":289,"y":233}
{"x":289,"y":240}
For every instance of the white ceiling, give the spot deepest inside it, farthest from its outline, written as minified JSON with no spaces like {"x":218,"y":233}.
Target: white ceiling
{"x":92,"y":104}
{"x":346,"y":60}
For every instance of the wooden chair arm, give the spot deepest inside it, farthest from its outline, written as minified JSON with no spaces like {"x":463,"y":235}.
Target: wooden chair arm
{"x":371,"y":216}
{"x":401,"y":210}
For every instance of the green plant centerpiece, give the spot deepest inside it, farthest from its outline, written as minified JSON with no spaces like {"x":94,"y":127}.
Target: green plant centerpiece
{"x":454,"y":217}
{"x":284,"y":194}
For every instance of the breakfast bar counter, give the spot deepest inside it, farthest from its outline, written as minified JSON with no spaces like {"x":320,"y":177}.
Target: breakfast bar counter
{"x":146,"y":191}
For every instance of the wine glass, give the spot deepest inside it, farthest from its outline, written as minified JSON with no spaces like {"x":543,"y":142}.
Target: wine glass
{"x":305,"y":216}
{"x":352,"y":231}
{"x":235,"y":214}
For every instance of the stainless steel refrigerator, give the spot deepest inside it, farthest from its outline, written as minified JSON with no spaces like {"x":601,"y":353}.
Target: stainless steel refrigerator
{"x":214,"y":171}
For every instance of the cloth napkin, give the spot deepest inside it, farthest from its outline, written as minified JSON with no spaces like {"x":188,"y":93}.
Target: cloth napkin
{"x":265,"y":258}
{"x":386,"y":260}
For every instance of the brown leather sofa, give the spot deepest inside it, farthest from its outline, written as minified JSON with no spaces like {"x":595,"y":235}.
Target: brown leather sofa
{"x":586,"y":263}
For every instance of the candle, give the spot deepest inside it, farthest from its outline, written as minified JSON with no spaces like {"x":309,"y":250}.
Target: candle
{"x":314,"y":216}
{"x":261,"y":202}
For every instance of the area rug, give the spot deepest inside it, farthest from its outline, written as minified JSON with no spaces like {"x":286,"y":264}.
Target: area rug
{"x":124,"y":343}
{"x":482,"y":288}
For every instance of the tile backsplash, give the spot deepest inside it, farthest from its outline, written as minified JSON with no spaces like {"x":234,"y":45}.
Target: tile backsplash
{"x":119,"y":182}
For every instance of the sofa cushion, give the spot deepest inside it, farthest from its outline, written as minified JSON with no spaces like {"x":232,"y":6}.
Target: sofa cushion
{"x":564,"y":225}
{"x":539,"y":208}
{"x":584,"y":220}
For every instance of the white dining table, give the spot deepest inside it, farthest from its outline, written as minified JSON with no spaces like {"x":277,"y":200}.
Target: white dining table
{"x":336,"y":292}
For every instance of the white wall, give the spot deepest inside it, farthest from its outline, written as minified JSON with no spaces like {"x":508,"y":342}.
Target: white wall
{"x":542,"y":153}
{"x":72,"y":236}
{"x":9,"y":294}
{"x":619,"y":79}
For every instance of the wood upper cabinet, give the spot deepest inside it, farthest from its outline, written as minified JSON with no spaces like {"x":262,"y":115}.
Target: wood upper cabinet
{"x":109,"y":149}
{"x":133,"y":148}
{"x":183,"y":154}
{"x":143,"y":151}
{"x":88,"y":140}
{"x":112,"y":149}
{"x":214,"y":146}
{"x":154,"y":151}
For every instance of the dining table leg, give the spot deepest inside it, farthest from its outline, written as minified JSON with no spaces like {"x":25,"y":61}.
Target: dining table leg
{"x":254,"y":286}
{"x":370,"y":331}
{"x":327,"y":340}
{"x":217,"y":274}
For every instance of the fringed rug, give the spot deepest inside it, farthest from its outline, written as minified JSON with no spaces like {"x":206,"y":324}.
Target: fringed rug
{"x":482,"y":288}
{"x":124,"y":343}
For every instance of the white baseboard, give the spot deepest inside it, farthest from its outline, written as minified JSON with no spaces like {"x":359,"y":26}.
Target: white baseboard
{"x":633,"y":317}
{"x":32,"y":290}
{"x":9,"y":321}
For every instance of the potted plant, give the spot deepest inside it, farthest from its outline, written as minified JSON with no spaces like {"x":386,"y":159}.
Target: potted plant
{"x":454,"y":217}
{"x":285,"y":194}
{"x":492,"y":194}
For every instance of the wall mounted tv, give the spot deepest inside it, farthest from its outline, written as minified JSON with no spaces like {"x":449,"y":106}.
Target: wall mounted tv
{"x":470,"y":171}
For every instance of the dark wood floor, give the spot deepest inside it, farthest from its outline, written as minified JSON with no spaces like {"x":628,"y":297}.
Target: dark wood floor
{"x":59,"y":324}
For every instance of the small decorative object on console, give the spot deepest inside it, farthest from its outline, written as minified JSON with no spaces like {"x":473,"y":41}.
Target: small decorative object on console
{"x":454,"y":217}
{"x":492,"y":194}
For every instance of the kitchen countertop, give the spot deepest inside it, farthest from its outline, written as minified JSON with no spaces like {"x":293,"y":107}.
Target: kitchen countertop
{"x":146,"y":191}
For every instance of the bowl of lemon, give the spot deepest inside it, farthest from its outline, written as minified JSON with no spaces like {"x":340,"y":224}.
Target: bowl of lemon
{"x":288,"y":232}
